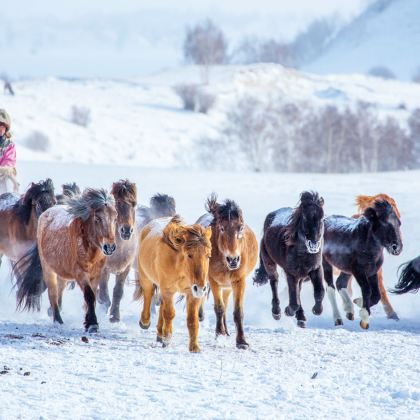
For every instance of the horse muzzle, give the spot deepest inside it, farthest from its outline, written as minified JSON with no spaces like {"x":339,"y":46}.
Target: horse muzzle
{"x":109,"y":249}
{"x":394,"y":249}
{"x":199,"y":292}
{"x":313,"y":247}
{"x":125,"y":232}
{"x":233,"y":263}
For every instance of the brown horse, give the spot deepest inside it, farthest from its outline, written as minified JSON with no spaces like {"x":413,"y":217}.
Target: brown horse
{"x":234,"y":255}
{"x":73,"y":242}
{"x":174,"y":257}
{"x":19,"y":218}
{"x":119,"y":263}
{"x":362,"y":203}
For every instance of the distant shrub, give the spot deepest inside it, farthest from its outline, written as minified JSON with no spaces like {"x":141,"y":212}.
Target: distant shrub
{"x":194,"y":98}
{"x":37,"y":141}
{"x":80,"y":115}
{"x":382,"y":72}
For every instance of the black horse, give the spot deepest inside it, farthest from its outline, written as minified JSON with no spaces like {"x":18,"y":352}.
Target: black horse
{"x":293,"y":240}
{"x":409,"y":277}
{"x":70,"y":190}
{"x":355,"y":247}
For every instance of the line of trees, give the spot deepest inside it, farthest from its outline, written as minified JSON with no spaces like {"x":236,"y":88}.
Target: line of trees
{"x":290,"y":137}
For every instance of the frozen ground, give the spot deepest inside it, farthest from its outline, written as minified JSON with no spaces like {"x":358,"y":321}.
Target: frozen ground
{"x":320,"y":372}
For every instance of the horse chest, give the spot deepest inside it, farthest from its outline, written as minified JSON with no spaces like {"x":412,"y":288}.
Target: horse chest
{"x":300,"y":264}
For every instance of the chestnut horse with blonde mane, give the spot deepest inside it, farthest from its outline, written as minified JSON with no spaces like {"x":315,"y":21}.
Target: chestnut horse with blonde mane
{"x":362,"y":203}
{"x":234,"y":255}
{"x":119,"y":263}
{"x":73,"y":242}
{"x":174,"y":257}
{"x":19,"y":218}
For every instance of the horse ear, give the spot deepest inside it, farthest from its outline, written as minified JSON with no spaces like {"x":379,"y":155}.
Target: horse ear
{"x":321,"y":201}
{"x":212,"y":206}
{"x":370,"y":214}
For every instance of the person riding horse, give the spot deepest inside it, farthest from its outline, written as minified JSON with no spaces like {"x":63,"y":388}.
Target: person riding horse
{"x":7,"y":154}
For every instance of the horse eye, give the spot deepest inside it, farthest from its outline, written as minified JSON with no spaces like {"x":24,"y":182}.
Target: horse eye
{"x":189,"y":256}
{"x":222,"y":229}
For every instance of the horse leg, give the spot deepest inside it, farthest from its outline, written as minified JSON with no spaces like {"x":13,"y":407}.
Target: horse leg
{"x":294,"y":298}
{"x":238,"y":312}
{"x":160,"y":323}
{"x":103,"y":295}
{"x":317,"y":279}
{"x":219,"y":308}
{"x":148,"y":291}
{"x":91,"y":322}
{"x":365,"y":302}
{"x":226,"y":294}
{"x":271,"y":269}
{"x":61,"y":286}
{"x":328,"y":276}
{"x":117,"y":294}
{"x":389,"y":310}
{"x":300,"y":314}
{"x":168,"y":316}
{"x":342,"y":286}
{"x":192,"y":322}
{"x":51,"y":281}
{"x":201,"y":314}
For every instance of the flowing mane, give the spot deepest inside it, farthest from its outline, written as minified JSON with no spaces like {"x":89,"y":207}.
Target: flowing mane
{"x":125,"y":190}
{"x":226,"y":211}
{"x":91,"y":199}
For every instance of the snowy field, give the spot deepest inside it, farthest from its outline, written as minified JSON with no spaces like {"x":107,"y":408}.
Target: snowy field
{"x":319,"y":372}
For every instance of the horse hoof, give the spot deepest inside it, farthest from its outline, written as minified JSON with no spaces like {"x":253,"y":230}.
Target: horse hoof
{"x":317,"y":310}
{"x":350,"y":316}
{"x":289,"y":311}
{"x":276,"y":316}
{"x":301,"y":324}
{"x":393,"y":316}
{"x":93,"y":329}
{"x":114,"y":319}
{"x":144,"y":326}
{"x":338,"y":322}
{"x":195,"y":349}
{"x":364,"y":325}
{"x":242,"y":346}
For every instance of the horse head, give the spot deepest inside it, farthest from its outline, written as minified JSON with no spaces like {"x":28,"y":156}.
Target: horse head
{"x":125,"y":195}
{"x":96,"y":210}
{"x":385,"y":225}
{"x":229,"y":230}
{"x":39,"y":197}
{"x":193,"y":244}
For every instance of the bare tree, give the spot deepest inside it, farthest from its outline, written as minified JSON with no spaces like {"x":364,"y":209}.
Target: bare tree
{"x":414,"y":126}
{"x":205,"y":44}
{"x":8,"y":89}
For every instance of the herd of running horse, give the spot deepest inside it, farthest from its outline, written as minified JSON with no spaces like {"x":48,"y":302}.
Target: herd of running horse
{"x":83,"y":237}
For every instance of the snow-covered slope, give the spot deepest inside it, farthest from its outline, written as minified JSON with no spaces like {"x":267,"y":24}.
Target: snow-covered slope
{"x":141,"y":121}
{"x":387,"y":34}
{"x":321,"y":372}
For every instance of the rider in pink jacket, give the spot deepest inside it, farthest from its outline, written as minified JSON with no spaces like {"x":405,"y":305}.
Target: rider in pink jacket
{"x":7,"y":150}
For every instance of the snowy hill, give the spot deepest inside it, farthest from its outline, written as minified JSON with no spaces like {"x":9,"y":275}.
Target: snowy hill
{"x":386,"y":34}
{"x":141,"y":121}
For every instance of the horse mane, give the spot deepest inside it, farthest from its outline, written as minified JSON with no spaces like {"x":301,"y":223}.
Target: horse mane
{"x":70,"y":190}
{"x":307,"y":198}
{"x":125,"y":190}
{"x":177,"y":234}
{"x":226,"y":211}
{"x":163,"y":205}
{"x":23,"y":208}
{"x":91,"y":199}
{"x":365,"y":201}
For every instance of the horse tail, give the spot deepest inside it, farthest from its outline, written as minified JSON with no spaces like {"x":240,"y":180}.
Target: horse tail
{"x":261,"y":275}
{"x":409,"y":277}
{"x":29,"y":281}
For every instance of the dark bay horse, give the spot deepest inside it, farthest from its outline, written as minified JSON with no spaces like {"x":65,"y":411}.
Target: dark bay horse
{"x":120,"y":262}
{"x":70,"y":190}
{"x":409,"y":277}
{"x":73,"y":242}
{"x":293,"y":240}
{"x":19,"y":218}
{"x":233,"y":257}
{"x":355,"y":247}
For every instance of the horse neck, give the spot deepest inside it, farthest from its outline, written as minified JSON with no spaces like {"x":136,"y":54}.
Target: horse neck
{"x":31,"y":227}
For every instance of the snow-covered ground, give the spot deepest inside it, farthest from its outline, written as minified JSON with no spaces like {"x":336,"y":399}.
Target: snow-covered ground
{"x":320,"y":372}
{"x":141,"y":121}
